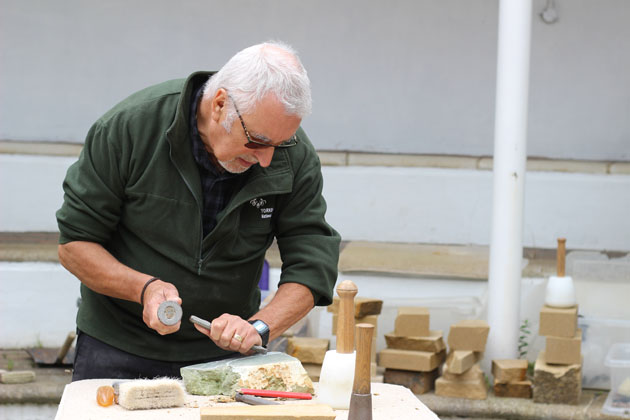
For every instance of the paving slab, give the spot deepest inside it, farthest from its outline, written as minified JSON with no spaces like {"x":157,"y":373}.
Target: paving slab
{"x":47,"y":387}
{"x":493,"y":407}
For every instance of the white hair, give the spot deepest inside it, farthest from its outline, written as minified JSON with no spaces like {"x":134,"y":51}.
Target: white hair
{"x":259,"y":70}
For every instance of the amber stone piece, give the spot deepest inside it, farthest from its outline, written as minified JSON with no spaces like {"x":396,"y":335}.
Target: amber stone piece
{"x":105,"y":396}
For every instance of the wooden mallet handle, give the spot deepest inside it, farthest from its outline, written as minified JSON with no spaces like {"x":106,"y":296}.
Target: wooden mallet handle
{"x":346,"y":290}
{"x":362,"y":369}
{"x":65,"y":347}
{"x":560,"y":256}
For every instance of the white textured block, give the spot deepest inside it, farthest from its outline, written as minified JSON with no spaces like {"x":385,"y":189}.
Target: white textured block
{"x":145,"y":394}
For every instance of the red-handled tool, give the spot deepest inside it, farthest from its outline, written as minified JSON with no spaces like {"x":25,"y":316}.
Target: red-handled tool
{"x":277,"y":394}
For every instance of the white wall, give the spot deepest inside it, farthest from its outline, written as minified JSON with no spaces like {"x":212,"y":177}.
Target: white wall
{"x":408,"y":76}
{"x":38,"y":304}
{"x":31,"y":192}
{"x":454,"y":206}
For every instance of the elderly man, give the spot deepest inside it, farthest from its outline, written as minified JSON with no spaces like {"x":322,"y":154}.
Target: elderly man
{"x":178,"y":193}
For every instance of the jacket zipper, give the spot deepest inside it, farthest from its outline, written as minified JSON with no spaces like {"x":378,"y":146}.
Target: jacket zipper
{"x":199,"y":259}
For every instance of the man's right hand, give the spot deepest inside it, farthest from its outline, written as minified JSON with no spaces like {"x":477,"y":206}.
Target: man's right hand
{"x":157,"y":292}
{"x":101,"y":272}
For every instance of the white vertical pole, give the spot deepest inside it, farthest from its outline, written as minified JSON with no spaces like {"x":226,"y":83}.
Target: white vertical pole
{"x":510,"y":141}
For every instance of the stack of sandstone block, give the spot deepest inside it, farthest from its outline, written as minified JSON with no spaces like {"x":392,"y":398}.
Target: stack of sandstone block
{"x":462,"y":376}
{"x":366,"y":311}
{"x":414,"y":352}
{"x":558,"y":369}
{"x":510,"y":378}
{"x":310,"y":351}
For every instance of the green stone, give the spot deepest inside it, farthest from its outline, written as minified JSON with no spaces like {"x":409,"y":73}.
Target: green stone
{"x":274,"y":370}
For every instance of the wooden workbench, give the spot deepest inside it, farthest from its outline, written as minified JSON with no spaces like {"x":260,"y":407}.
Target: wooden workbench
{"x":389,"y":402}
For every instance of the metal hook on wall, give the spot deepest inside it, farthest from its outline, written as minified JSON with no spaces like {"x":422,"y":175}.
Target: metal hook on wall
{"x":550,"y":13}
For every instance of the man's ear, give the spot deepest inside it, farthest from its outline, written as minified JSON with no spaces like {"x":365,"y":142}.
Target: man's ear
{"x":219,"y":101}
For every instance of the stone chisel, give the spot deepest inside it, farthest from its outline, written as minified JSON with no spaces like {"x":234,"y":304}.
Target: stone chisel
{"x":361,"y":399}
{"x":205,"y":324}
{"x":253,"y":400}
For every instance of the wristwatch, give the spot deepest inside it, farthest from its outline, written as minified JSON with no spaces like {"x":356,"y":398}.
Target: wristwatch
{"x":263,"y":330}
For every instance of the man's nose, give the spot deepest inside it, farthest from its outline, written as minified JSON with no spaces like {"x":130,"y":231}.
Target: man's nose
{"x":264,"y":156}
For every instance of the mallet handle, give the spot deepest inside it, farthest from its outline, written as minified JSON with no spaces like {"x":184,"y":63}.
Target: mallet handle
{"x":362,"y":367}
{"x":560,"y":256}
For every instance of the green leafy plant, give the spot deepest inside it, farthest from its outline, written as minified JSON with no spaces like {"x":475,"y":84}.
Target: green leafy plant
{"x":38,"y":342}
{"x":523,"y":339}
{"x":10,"y":364}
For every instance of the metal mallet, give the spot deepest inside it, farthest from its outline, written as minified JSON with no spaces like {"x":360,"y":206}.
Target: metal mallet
{"x":169,"y":312}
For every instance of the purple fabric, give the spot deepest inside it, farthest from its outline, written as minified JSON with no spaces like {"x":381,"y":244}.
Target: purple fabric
{"x":263,"y":283}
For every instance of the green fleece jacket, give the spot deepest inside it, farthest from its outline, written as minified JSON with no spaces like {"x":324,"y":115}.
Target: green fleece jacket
{"x":136,"y":190}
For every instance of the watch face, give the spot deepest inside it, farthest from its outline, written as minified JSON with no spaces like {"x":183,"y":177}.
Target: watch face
{"x":260,"y":326}
{"x":263,"y":330}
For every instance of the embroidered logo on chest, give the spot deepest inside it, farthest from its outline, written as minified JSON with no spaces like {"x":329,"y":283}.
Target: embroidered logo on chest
{"x":265,"y":212}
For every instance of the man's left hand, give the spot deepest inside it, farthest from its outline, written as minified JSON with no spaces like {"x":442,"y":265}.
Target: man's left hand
{"x":232,"y":333}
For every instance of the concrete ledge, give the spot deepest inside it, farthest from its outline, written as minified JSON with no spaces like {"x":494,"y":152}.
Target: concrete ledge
{"x":39,"y":148}
{"x":346,"y":158}
{"x":29,"y":246}
{"x":419,"y":260}
{"x":397,"y":160}
{"x":407,"y":259}
{"x":333,"y":158}
{"x":581,"y":166}
{"x":620,"y":168}
{"x":415,"y":259}
{"x":559,"y":165}
{"x":518,"y":408}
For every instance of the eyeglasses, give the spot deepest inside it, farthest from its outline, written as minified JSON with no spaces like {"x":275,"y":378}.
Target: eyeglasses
{"x":259,"y":144}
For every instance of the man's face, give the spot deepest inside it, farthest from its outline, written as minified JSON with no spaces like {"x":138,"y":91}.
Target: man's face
{"x":267,"y":123}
